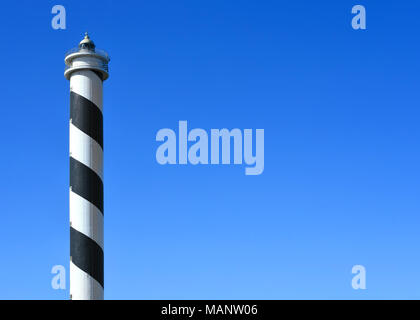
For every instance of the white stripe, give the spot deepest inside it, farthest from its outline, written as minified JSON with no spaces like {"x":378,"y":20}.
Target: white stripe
{"x":87,"y":84}
{"x":86,"y":218}
{"x":83,"y":286}
{"x":86,"y":150}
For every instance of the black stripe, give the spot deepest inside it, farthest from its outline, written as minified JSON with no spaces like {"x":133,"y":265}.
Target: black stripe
{"x":87,"y":117}
{"x":86,"y":183}
{"x":87,"y":255}
{"x":99,"y":75}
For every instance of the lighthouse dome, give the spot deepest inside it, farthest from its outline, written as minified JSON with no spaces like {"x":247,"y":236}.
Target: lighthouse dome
{"x":86,"y":43}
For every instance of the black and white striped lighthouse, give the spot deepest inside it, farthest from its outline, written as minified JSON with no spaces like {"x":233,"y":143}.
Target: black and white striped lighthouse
{"x":86,"y":68}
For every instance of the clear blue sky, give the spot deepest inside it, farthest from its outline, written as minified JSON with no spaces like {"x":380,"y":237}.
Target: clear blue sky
{"x":340,"y":110}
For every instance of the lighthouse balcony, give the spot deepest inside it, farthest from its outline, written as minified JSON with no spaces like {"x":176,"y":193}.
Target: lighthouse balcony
{"x":81,"y":59}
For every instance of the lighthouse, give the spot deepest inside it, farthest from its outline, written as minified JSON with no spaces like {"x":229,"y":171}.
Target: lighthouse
{"x":86,"y":68}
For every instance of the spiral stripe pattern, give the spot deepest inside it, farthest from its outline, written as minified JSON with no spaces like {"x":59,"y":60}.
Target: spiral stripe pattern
{"x":86,"y":187}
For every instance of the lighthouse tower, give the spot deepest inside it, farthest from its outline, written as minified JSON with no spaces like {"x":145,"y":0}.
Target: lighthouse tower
{"x":86,"y":68}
